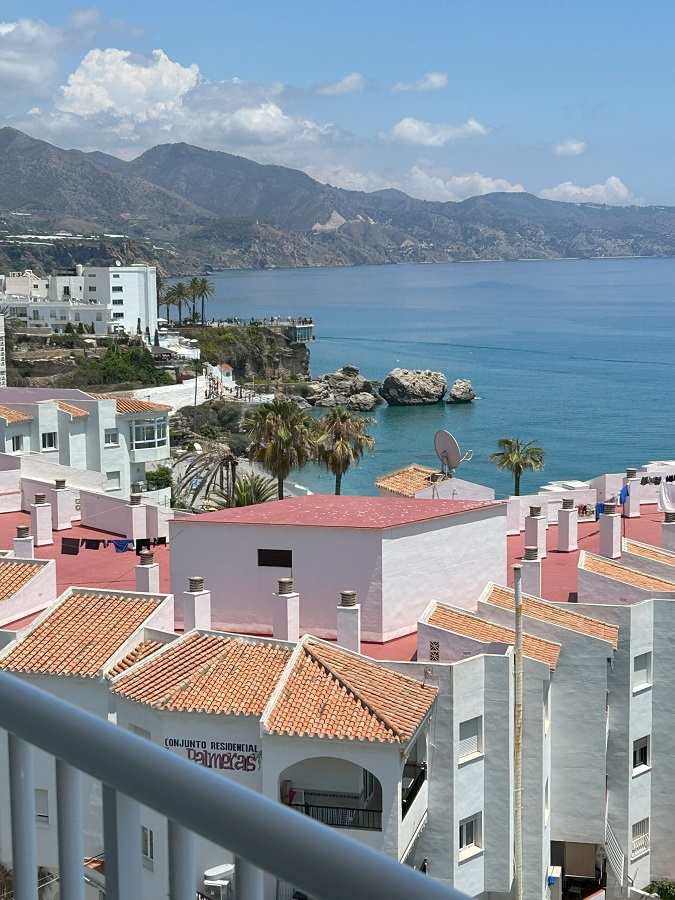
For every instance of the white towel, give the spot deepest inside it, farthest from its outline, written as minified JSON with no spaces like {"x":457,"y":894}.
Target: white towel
{"x":667,"y":497}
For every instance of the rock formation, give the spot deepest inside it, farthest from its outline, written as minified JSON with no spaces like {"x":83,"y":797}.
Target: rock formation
{"x":346,"y":387}
{"x":405,"y":387}
{"x":461,"y":392}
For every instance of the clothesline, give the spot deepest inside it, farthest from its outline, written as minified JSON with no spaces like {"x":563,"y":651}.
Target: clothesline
{"x":71,"y":546}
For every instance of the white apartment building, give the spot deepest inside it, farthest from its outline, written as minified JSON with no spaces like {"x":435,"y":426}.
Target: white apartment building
{"x":117,"y":436}
{"x":110,"y":299}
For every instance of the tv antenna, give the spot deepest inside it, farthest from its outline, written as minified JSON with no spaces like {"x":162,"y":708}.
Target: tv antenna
{"x":447,"y":450}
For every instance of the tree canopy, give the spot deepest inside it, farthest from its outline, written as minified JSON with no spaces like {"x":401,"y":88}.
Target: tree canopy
{"x":282,"y":438}
{"x":516,"y":456}
{"x":342,"y":440}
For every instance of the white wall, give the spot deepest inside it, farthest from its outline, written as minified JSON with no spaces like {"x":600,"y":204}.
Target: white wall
{"x":32,"y":597}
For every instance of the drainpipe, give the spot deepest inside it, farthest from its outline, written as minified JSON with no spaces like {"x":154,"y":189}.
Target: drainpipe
{"x":518,"y":740}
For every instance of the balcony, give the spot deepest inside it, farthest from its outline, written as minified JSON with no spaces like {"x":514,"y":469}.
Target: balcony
{"x":320,"y":806}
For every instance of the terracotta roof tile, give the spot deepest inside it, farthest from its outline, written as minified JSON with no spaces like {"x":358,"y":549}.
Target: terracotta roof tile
{"x":329,"y":511}
{"x":471,"y":626}
{"x":15,"y":574}
{"x":647,"y":551}
{"x":330,"y":693}
{"x":406,"y":482}
{"x":547,"y":612}
{"x":128,"y":405}
{"x":599,"y":565}
{"x":140,"y":651}
{"x":11,"y":415}
{"x":207,"y":673}
{"x":79,"y":635}
{"x":73,"y":410}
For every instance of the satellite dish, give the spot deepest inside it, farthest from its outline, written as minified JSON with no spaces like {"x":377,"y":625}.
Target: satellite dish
{"x":447,"y":450}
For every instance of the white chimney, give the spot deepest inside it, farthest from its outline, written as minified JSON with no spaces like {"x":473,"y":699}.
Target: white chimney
{"x":568,"y":526}
{"x":667,"y":531}
{"x":196,"y":605}
{"x":147,"y":573}
{"x":41,"y":521}
{"x":531,"y":572}
{"x":631,"y":506}
{"x":24,"y":544}
{"x":610,"y":532}
{"x":62,"y":506}
{"x":349,"y":622}
{"x":286,"y":612}
{"x":535,"y":530}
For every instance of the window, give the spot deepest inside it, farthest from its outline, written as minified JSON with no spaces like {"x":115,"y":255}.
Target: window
{"x":116,"y":276}
{"x":112,"y":481}
{"x":111,"y":437}
{"x":118,"y":315}
{"x":148,"y":433}
{"x":41,"y":806}
{"x":52,"y":313}
{"x":92,"y":288}
{"x":77,"y":317}
{"x":470,"y":839}
{"x":470,"y":738}
{"x":49,"y":440}
{"x":279,"y":558}
{"x":642,"y":671}
{"x":66,"y":292}
{"x":640,"y":838}
{"x":99,"y":317}
{"x":17,"y":443}
{"x":117,"y":301}
{"x":117,"y":288}
{"x":640,"y":755}
{"x":147,"y":843}
{"x":434,"y":651}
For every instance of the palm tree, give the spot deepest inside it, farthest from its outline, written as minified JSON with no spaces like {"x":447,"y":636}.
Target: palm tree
{"x":213,"y":471}
{"x":253,"y":488}
{"x":205,"y":292}
{"x":516,"y":456}
{"x":194,"y":286}
{"x":177,"y":295}
{"x":343,"y":439}
{"x":283,"y":438}
{"x":162,"y":287}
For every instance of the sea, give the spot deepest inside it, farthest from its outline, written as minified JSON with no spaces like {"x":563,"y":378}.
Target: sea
{"x":576,"y":355}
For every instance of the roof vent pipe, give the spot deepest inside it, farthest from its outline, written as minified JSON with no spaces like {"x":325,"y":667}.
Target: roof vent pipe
{"x":135,"y":500}
{"x":669,"y":519}
{"x":531,"y":553}
{"x":60,"y":484}
{"x":196,"y":583}
{"x":40,"y":499}
{"x":535,"y":511}
{"x":631,"y":473}
{"x":347,"y":598}
{"x":147,"y":557}
{"x":23,"y":531}
{"x":568,"y":503}
{"x":610,"y":509}
{"x":285,"y":586}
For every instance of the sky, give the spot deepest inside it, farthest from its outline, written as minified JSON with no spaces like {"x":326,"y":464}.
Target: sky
{"x":443,"y":99}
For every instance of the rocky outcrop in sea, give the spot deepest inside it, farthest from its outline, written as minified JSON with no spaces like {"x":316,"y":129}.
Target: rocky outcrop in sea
{"x":346,"y":387}
{"x":413,"y":387}
{"x":461,"y":392}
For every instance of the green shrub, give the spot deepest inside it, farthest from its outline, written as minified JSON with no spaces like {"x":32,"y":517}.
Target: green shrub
{"x":664,"y":888}
{"x":161,"y":477}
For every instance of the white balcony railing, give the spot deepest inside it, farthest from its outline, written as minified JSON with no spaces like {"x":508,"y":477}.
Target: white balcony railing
{"x":262,"y":834}
{"x":640,"y":845}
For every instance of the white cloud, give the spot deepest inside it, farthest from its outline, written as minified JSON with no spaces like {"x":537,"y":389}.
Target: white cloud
{"x":613,"y":192}
{"x":426,"y":134}
{"x":138,"y":89}
{"x":429,"y":186}
{"x":571,"y":147}
{"x":350,"y":84}
{"x":432,"y":81}
{"x":345,"y":177}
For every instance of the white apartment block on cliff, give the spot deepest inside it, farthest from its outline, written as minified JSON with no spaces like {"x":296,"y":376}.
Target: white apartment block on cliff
{"x":111,"y":299}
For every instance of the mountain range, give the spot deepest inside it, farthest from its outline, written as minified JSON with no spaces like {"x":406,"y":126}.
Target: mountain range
{"x":188,"y":209}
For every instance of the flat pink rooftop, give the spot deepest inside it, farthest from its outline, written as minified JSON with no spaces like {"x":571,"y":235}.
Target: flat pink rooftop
{"x":328,"y":511}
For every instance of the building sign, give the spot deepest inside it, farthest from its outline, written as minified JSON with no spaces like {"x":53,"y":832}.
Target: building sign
{"x":223,"y":755}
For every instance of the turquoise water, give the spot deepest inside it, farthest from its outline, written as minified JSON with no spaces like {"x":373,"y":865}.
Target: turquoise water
{"x":576,"y":354}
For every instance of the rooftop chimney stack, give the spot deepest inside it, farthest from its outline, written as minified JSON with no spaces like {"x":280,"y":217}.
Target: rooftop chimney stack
{"x":631,"y":505}
{"x":286,"y":612}
{"x":24,"y":546}
{"x":667,"y":531}
{"x":62,"y":506}
{"x":147,"y":573}
{"x":349,"y":622}
{"x":196,"y":605}
{"x":610,"y":532}
{"x":41,"y":521}
{"x":535,"y":530}
{"x":568,"y":526}
{"x":531,"y":572}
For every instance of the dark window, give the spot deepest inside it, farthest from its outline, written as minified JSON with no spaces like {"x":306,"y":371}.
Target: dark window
{"x":278,"y":558}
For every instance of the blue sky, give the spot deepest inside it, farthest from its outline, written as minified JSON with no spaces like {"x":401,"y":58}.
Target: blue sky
{"x":443,"y":100}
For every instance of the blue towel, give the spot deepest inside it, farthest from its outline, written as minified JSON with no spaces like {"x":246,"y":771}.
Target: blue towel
{"x":623,"y":496}
{"x":122,"y":546}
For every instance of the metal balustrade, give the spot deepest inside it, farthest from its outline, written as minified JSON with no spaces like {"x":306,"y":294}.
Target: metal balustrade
{"x":263,"y":835}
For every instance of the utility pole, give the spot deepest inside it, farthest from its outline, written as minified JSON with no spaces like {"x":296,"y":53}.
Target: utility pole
{"x":518,"y":739}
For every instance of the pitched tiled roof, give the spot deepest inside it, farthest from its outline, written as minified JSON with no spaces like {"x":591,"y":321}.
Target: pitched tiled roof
{"x":140,"y":651}
{"x":16,"y":574}
{"x":330,"y":693}
{"x":647,"y":551}
{"x":471,"y":626}
{"x":328,"y":511}
{"x":599,"y":565}
{"x":79,"y":635}
{"x":547,"y":612}
{"x":127,"y":405}
{"x":207,"y":673}
{"x":406,"y":482}
{"x":73,"y":410}
{"x":11,"y":415}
